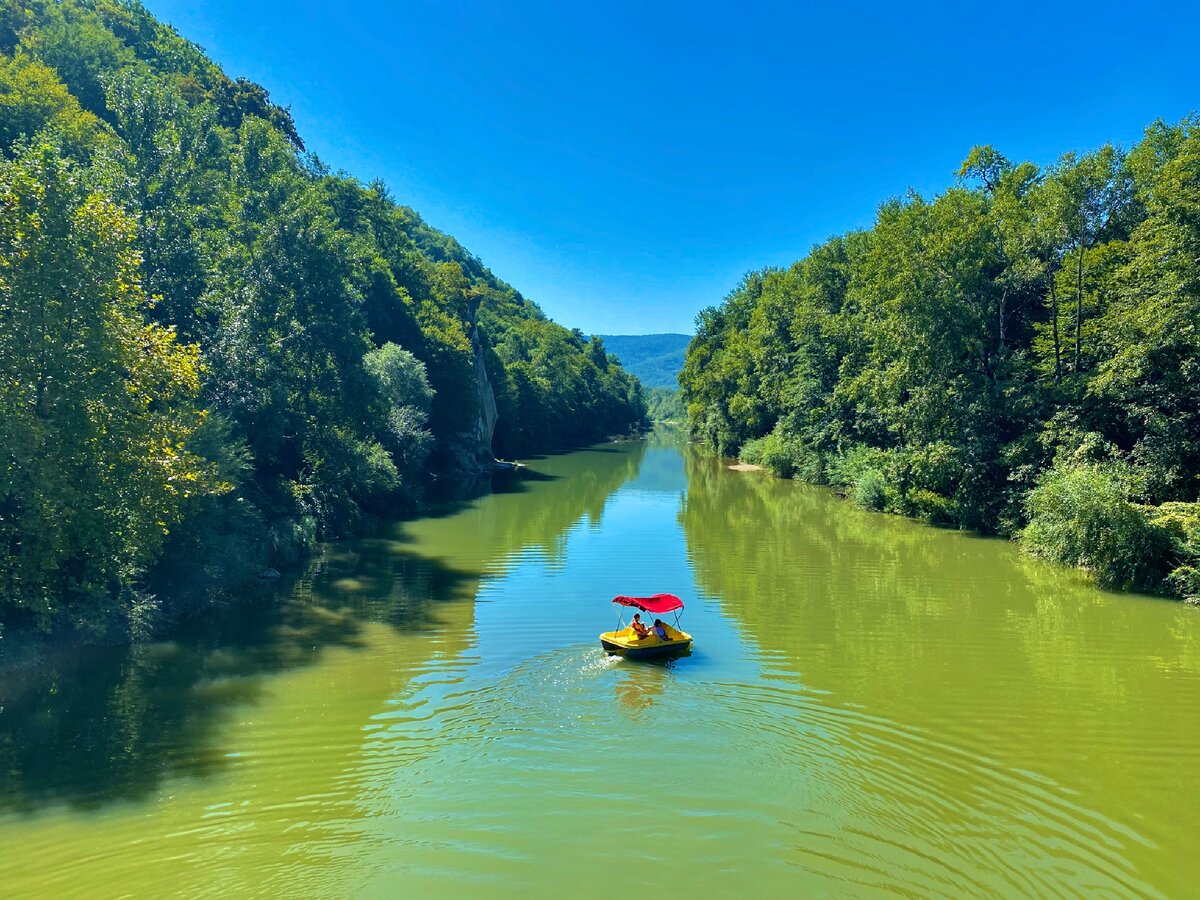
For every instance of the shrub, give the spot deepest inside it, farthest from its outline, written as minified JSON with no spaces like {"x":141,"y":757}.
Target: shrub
{"x":867,"y":474}
{"x":375,"y":474}
{"x":1080,"y":515}
{"x":869,"y":490}
{"x":931,"y":506}
{"x":393,"y":466}
{"x":1181,"y":523}
{"x":289,"y":539}
{"x":786,"y":455}
{"x":400,"y":377}
{"x":772,"y":452}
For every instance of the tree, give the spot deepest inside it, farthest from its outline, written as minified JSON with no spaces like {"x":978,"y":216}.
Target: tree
{"x":303,"y":310}
{"x":407,"y":397}
{"x":96,"y":403}
{"x":921,"y":364}
{"x":1090,"y":195}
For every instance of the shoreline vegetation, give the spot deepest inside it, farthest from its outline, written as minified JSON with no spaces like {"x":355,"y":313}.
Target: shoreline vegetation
{"x":214,"y":351}
{"x":1018,"y":356}
{"x":666,"y":405}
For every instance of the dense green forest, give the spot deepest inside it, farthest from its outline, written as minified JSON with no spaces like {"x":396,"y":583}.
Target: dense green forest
{"x":655,"y":359}
{"x":213,"y":350}
{"x":1018,"y":355}
{"x":665,"y":405}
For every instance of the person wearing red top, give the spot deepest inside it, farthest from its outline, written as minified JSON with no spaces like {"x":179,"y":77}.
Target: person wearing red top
{"x":638,"y":628}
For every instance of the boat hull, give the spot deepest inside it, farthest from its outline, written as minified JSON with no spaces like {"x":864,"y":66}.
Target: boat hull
{"x":625,"y":643}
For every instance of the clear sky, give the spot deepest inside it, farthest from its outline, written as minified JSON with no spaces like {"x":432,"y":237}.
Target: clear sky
{"x":624,"y":163}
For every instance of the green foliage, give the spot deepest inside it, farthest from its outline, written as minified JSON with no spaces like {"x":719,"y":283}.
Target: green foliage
{"x":214,"y":351}
{"x":73,"y":41}
{"x":559,"y":389}
{"x":1180,"y":522}
{"x":400,"y":377}
{"x":1081,"y":516}
{"x":869,"y":490}
{"x":34,"y":101}
{"x":402,"y":384}
{"x":939,"y":363}
{"x":784,"y":454}
{"x":665,"y":405}
{"x":864,"y":472}
{"x":96,"y":405}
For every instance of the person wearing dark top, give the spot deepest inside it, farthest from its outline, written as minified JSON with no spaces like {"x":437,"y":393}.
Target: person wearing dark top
{"x":660,"y":630}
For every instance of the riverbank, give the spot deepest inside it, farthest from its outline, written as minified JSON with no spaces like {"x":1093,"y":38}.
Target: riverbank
{"x":178,"y":598}
{"x":933,"y":364}
{"x":190,"y":582}
{"x":1076,"y":515}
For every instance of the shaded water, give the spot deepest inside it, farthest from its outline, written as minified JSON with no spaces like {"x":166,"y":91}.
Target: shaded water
{"x":872,"y":707}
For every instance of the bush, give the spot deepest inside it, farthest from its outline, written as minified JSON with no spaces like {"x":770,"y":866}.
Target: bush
{"x":930,"y":506}
{"x":393,"y":466}
{"x":712,"y":426}
{"x":289,"y":539}
{"x":1080,"y":515}
{"x":408,"y":439}
{"x":869,"y":490}
{"x":772,"y":451}
{"x":375,"y":474}
{"x":786,"y":455}
{"x":1181,"y":523}
{"x":867,"y":474}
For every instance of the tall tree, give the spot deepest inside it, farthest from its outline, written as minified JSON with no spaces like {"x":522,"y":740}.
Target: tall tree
{"x":96,"y":404}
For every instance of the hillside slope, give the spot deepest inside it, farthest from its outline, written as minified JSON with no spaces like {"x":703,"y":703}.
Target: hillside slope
{"x":656,"y":359}
{"x":213,"y":350}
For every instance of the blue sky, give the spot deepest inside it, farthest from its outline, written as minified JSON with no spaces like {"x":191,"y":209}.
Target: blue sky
{"x":623,"y":164}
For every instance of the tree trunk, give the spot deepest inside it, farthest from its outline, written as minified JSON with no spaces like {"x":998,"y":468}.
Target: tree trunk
{"x":1054,"y":314}
{"x":1003,"y":301}
{"x":1078,"y":305}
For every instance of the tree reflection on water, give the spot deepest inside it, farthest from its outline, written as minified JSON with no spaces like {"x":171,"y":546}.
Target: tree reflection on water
{"x":96,"y":725}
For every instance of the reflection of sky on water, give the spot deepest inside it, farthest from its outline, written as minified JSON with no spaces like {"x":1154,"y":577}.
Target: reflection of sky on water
{"x":537,"y":606}
{"x":568,"y":743}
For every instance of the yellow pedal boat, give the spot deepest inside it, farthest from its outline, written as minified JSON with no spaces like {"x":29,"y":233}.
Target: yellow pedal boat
{"x":625,"y":641}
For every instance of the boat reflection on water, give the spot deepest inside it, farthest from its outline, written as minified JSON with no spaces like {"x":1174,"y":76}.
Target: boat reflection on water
{"x":643,"y":681}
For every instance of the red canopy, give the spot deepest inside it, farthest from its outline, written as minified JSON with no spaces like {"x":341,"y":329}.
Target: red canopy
{"x":659,"y":603}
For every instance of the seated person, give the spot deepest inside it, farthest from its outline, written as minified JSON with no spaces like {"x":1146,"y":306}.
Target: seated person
{"x":660,"y":629}
{"x":638,"y":628}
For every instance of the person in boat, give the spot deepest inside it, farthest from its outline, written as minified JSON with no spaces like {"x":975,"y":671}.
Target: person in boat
{"x":638,"y":628}
{"x":660,"y":630}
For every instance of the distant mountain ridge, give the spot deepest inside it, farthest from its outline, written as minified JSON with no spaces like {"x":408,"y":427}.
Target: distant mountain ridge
{"x":656,"y":359}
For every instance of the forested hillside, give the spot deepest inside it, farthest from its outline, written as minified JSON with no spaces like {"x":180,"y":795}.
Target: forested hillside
{"x":213,"y":350}
{"x":665,"y":405}
{"x":654,"y":358}
{"x":1019,"y":355}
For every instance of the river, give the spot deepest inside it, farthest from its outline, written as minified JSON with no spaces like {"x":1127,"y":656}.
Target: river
{"x":873,"y":708}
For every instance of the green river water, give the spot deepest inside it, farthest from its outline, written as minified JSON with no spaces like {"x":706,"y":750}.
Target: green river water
{"x":873,"y":707}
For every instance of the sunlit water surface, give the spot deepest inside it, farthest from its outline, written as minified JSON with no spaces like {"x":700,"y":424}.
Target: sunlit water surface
{"x":873,"y":707}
